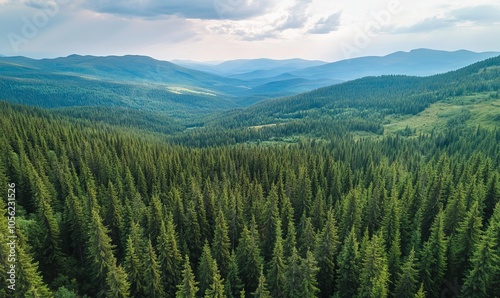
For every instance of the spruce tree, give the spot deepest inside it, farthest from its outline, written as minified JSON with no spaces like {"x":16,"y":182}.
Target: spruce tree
{"x":326,"y":253}
{"x":102,"y":261}
{"x":374,"y":276}
{"x":433,"y":258}
{"x":169,"y":256}
{"x":277,"y":267}
{"x":293,"y":275}
{"x":309,"y":271}
{"x":188,"y":286}
{"x":221,"y":244}
{"x":249,"y":259}
{"x":134,"y":268}
{"x":347,"y":282}
{"x":216,"y":289}
{"x":152,"y":274}
{"x":206,"y":269}
{"x":261,"y":291}
{"x":407,"y":280}
{"x":233,"y":284}
{"x":463,"y":243}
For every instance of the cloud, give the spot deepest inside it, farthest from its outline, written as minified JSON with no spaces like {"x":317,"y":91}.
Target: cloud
{"x":428,"y":25}
{"x":296,"y":17}
{"x":327,"y":25}
{"x":477,"y":15}
{"x":191,"y":9}
{"x":482,"y":14}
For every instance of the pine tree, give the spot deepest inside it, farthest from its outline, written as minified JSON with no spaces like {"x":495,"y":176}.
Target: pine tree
{"x":351,"y":213}
{"x":277,"y":267}
{"x":29,"y":282}
{"x":392,"y":235}
{"x":114,"y":215}
{"x":206,"y":269}
{"x":290,"y":240}
{"x":233,"y":284}
{"x":454,"y":211}
{"x":326,"y":253}
{"x":216,"y":289}
{"x":117,"y":284}
{"x":134,"y":268}
{"x":102,"y":261}
{"x":293,"y":275}
{"x":433,"y":257}
{"x":221,"y":243}
{"x":188,"y":286}
{"x":152,"y":273}
{"x":155,"y":216}
{"x":249,"y":259}
{"x":348,"y":267}
{"x":307,"y":239}
{"x":407,"y":281}
{"x":271,"y":216}
{"x":374,"y":276}
{"x":421,"y":293}
{"x":169,"y":256}
{"x":309,"y":272}
{"x":485,"y":262}
{"x":261,"y":291}
{"x":463,"y":243}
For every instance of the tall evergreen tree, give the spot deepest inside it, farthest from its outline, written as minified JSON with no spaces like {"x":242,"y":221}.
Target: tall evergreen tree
{"x":309,"y":272}
{"x":249,"y":259}
{"x":152,"y":273}
{"x":307,"y":239}
{"x":206,"y":269}
{"x":433,"y":258}
{"x":188,"y":286}
{"x":134,"y":268}
{"x":463,"y":243}
{"x":233,"y":284}
{"x":293,"y":275}
{"x":261,"y":291}
{"x":374,"y":276}
{"x":277,"y":267}
{"x":102,"y":261}
{"x":407,"y":281}
{"x":169,"y":256}
{"x":326,"y":253}
{"x":271,"y":217}
{"x":221,"y":244}
{"x":347,"y":282}
{"x":216,"y":289}
{"x":485,"y":264}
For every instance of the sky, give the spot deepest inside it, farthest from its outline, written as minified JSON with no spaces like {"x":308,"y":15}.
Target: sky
{"x":218,"y":30}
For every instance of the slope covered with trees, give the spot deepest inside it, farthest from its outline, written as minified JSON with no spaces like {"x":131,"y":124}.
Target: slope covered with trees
{"x":107,"y":211}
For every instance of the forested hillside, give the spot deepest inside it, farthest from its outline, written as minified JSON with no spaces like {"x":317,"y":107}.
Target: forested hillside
{"x":107,"y":211}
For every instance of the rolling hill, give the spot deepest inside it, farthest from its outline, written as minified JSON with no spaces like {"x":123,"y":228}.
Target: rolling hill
{"x":369,"y":106}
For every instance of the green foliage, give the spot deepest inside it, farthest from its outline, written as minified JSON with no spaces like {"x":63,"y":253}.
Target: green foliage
{"x":261,"y":291}
{"x":188,"y":286}
{"x":374,"y":275}
{"x":348,"y":270}
{"x":407,"y":281}
{"x":92,"y":196}
{"x":326,"y":253}
{"x":433,"y":258}
{"x":216,"y":289}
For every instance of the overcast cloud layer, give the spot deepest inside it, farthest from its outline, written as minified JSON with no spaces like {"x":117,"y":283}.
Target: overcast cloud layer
{"x":229,"y":29}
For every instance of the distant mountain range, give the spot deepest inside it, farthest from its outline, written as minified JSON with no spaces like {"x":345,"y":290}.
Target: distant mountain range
{"x":143,"y":83}
{"x":420,"y":62}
